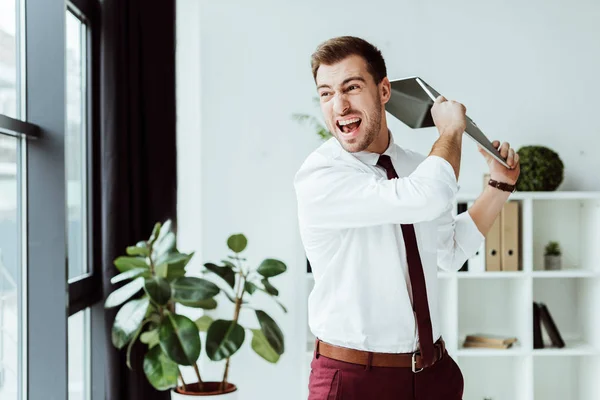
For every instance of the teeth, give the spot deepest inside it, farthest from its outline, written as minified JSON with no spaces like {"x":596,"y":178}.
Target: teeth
{"x":348,"y":121}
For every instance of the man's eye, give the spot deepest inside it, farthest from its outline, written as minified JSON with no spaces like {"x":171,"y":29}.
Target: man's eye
{"x":323,"y":94}
{"x":351,"y":87}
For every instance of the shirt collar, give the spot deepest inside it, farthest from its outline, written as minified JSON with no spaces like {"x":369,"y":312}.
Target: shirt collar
{"x":370,"y":158}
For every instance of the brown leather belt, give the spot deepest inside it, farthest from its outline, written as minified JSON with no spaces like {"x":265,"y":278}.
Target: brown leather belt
{"x":408,"y":360}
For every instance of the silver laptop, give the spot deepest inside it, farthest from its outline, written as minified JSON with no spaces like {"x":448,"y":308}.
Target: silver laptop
{"x":411,"y":101}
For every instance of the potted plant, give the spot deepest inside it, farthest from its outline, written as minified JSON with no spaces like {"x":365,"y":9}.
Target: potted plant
{"x":552,"y":256}
{"x":156,"y":270}
{"x":541,"y":169}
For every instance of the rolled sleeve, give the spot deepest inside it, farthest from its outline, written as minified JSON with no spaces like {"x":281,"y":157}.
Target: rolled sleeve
{"x":458,"y":240}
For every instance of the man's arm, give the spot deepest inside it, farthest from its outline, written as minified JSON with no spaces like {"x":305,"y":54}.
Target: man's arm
{"x":460,"y":237}
{"x":450,"y":119}
{"x":331,"y":195}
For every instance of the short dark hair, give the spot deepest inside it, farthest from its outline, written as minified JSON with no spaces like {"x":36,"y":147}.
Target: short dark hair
{"x":336,"y":49}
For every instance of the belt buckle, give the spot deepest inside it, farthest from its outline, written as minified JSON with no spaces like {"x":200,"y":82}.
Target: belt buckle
{"x":414,"y":363}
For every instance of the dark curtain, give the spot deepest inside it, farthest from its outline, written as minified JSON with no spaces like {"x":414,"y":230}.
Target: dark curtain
{"x":138,"y":154}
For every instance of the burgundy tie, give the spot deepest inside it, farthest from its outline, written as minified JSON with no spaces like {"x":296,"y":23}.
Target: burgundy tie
{"x":417,"y":279}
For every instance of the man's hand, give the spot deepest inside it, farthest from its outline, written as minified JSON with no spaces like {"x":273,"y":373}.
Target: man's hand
{"x":449,"y":116}
{"x":498,"y":171}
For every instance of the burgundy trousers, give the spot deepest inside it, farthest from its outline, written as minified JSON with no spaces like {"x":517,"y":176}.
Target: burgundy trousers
{"x":337,"y":380}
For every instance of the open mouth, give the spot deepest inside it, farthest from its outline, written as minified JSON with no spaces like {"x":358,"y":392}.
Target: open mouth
{"x":348,"y":126}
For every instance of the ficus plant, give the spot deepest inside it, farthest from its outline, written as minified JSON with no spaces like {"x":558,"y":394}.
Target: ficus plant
{"x":157,"y":280}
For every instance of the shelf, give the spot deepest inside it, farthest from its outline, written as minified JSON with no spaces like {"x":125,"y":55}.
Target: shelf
{"x":572,"y":348}
{"x":515,"y":350}
{"x":483,"y":275}
{"x":555,"y":195}
{"x":566,"y":273}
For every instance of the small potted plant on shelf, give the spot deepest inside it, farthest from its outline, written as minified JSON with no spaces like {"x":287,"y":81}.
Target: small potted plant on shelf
{"x":552,"y":256}
{"x":157,"y":270}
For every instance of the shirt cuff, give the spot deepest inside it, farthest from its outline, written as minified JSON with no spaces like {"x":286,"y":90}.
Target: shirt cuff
{"x":468,"y":236}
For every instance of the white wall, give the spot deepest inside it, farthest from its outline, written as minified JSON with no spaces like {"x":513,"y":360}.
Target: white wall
{"x":526,"y":72}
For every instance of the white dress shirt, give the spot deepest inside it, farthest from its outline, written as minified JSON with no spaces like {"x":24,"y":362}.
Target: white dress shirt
{"x":349,"y":218}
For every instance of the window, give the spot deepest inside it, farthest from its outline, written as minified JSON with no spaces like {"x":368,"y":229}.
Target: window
{"x":48,"y":142}
{"x":12,"y":345}
{"x":10,"y":269}
{"x":9,"y":58}
{"x":76,"y":135}
{"x":79,"y":355}
{"x":81,"y":139}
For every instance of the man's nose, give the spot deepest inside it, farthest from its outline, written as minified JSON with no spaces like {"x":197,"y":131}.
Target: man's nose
{"x":340,"y":104}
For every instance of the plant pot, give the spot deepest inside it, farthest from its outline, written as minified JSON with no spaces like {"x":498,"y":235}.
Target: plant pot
{"x":211,"y":391}
{"x":552,"y":263}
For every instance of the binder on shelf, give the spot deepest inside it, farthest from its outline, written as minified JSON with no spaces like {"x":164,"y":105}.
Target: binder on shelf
{"x":509,"y":237}
{"x":492,"y":246}
{"x":460,"y":208}
{"x":550,"y":326}
{"x":538,"y":342}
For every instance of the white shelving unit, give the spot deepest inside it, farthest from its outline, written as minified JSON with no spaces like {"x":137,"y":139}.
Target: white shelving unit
{"x":501,"y":303}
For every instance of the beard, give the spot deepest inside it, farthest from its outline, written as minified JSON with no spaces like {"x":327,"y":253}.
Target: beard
{"x":370,"y":127}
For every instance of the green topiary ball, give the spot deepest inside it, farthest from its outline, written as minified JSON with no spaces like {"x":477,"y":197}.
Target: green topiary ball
{"x":541,"y":169}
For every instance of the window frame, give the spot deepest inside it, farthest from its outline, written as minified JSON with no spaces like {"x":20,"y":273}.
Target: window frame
{"x":86,"y":290}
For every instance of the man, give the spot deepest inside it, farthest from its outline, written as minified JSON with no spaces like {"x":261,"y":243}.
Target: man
{"x":376,"y":221}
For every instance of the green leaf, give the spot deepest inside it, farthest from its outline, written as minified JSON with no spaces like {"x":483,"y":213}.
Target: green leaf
{"x":223,"y":339}
{"x":125,"y":263}
{"x":208,"y":304}
{"x":271,"y":267}
{"x":160,"y":370}
{"x":229,"y":264}
{"x":164,"y":245}
{"x":203,"y":323}
{"x":271,"y":331}
{"x":270,"y":288}
{"x":250,"y":287}
{"x":128,"y":320}
{"x":189,"y":289}
{"x":175,"y":259}
{"x":150,"y":338}
{"x":170,"y":271}
{"x":224,"y":272}
{"x":124,"y":293}
{"x":130,"y":346}
{"x":179,"y":339}
{"x":138,"y":251}
{"x":164,"y":229}
{"x":280,"y":305}
{"x":237,"y":243}
{"x":132,"y":273}
{"x":158,"y":289}
{"x":261,"y":346}
{"x":155,"y":232}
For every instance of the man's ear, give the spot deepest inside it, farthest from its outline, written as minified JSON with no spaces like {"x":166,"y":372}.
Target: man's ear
{"x":385,"y":90}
